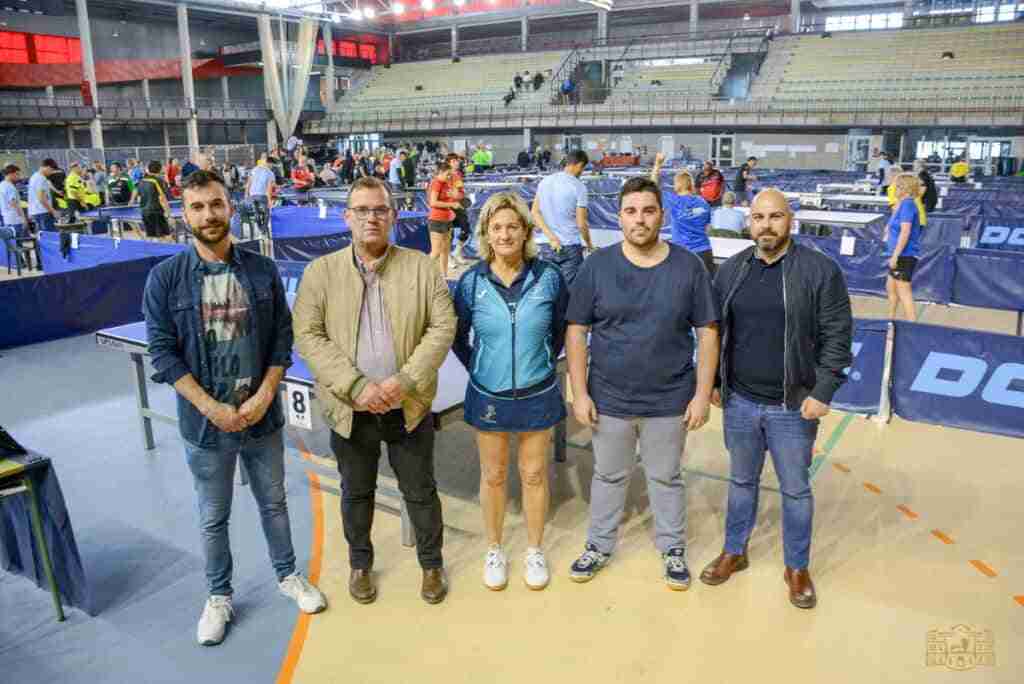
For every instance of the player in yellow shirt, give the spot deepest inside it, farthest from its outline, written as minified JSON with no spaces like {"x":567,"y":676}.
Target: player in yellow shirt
{"x":959,"y":171}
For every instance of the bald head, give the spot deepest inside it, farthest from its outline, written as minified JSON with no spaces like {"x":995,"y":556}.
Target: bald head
{"x":771,"y":220}
{"x":769,"y":200}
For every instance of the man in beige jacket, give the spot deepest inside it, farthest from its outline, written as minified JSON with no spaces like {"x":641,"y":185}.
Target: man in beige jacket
{"x":374,"y":322}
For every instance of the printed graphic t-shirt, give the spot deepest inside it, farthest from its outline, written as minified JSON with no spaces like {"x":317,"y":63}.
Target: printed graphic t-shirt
{"x":228,"y":334}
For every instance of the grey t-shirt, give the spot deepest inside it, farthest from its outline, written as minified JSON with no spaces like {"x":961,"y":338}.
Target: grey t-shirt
{"x":228,"y":334}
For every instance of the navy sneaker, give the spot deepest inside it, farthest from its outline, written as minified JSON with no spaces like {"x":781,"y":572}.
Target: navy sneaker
{"x":588,"y":564}
{"x":677,"y":575}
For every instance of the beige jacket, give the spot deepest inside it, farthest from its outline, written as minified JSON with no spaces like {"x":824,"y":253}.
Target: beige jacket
{"x":326,"y":322}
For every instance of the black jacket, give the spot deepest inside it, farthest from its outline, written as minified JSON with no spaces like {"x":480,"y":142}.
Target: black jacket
{"x":819,"y":322}
{"x":931,"y":195}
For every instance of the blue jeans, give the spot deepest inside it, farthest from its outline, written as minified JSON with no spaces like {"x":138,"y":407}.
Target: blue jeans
{"x":750,"y":429}
{"x":568,"y":259}
{"x":213,"y":473}
{"x":44,"y":221}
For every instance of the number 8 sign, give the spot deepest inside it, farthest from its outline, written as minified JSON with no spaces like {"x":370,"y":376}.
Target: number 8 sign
{"x":298,"y":406}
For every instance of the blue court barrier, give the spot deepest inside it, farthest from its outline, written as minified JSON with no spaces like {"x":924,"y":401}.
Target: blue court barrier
{"x":299,"y":234}
{"x":862,"y":391}
{"x":959,"y":378}
{"x":291,"y":274}
{"x":1002,"y":227}
{"x":866,"y":269}
{"x":989,"y":279}
{"x":94,"y":250}
{"x":57,"y":305}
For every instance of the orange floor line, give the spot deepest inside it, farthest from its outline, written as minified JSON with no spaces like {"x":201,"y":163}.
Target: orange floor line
{"x":984,"y":569}
{"x":941,"y":536}
{"x":907,"y":512}
{"x":872,"y":488}
{"x":291,"y":659}
{"x":840,"y":467}
{"x":1019,"y":599}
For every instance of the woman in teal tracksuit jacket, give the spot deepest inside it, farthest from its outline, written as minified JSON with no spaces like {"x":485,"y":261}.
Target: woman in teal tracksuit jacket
{"x":511,"y":310}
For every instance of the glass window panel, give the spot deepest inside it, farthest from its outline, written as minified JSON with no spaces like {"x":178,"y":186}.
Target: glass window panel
{"x":895,"y":19}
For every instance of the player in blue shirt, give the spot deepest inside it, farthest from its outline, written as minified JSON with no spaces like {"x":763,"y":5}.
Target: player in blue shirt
{"x":690,"y":214}
{"x":903,"y":245}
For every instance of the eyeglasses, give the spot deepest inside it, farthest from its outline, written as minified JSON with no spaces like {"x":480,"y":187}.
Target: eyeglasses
{"x":363,"y":213}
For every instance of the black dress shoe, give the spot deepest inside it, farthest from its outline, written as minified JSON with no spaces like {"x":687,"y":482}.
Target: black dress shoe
{"x":435,"y":585}
{"x":361,"y":587}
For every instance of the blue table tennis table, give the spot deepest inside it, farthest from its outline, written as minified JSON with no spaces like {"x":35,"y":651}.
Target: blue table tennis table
{"x":447,"y":408}
{"x":132,"y":214}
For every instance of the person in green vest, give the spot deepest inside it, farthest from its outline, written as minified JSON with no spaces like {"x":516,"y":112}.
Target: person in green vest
{"x":480,"y":158}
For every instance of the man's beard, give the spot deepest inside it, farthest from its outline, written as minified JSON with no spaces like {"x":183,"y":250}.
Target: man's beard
{"x":202,"y":235}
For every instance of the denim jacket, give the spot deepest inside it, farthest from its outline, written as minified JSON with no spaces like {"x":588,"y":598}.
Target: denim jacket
{"x":172,"y":306}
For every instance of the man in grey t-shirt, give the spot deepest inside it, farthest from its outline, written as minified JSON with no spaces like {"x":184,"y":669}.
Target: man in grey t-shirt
{"x":560,"y":211}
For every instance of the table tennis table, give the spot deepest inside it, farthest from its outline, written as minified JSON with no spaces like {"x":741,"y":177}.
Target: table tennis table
{"x":298,"y":388}
{"x":133,"y":214}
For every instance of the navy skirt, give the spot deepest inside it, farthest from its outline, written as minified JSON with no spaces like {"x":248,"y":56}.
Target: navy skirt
{"x":537,"y":411}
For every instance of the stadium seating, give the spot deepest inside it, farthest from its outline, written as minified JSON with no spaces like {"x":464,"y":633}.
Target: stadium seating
{"x":443,"y":83}
{"x":988,"y":61}
{"x":702,"y":79}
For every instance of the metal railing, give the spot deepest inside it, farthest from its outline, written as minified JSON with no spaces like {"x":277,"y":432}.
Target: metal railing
{"x":231,"y":154}
{"x":660,"y":107}
{"x":17,"y":99}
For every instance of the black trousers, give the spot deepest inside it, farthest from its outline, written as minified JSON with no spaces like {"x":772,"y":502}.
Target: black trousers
{"x":411,"y":455}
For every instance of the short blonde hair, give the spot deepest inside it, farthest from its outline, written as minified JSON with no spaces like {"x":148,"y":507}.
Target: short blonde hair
{"x":684,"y":179}
{"x":729,"y":199}
{"x":494,"y":204}
{"x":907,"y":184}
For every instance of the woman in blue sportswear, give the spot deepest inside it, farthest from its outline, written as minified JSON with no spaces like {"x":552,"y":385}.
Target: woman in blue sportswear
{"x":691,"y":214}
{"x":511,"y":328}
{"x":903,"y":245}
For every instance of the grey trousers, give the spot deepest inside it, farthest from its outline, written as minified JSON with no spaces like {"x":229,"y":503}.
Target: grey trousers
{"x":615,"y":454}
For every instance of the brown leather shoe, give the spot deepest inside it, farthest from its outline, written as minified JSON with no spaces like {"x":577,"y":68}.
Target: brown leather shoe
{"x":361,"y":587}
{"x":801,"y":588}
{"x":435,"y":585}
{"x":721,"y":569}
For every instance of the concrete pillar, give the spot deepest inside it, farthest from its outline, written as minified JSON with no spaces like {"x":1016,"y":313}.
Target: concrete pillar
{"x":167,"y":140}
{"x":50,"y":97}
{"x":185,"y":49}
{"x":224,"y":89}
{"x":285,"y":92}
{"x":455,"y":41}
{"x":694,"y":17}
{"x":71,"y":137}
{"x":908,"y":8}
{"x":602,"y":25}
{"x":329,"y":72}
{"x":527,"y":139}
{"x":271,"y":124}
{"x":524,"y":33}
{"x":391,"y":47}
{"x":89,"y":70}
{"x":794,"y":12}
{"x":145,"y":92}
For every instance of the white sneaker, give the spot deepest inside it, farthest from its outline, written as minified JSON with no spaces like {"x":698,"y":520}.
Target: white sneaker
{"x":496,"y":569}
{"x":217,"y":613}
{"x":308,"y":597}
{"x":536,"y":574}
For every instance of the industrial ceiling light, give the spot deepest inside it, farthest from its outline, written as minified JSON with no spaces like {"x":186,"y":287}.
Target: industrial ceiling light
{"x":335,"y":17}
{"x":459,"y":3}
{"x":427,"y":5}
{"x":605,"y":5}
{"x":369,"y":13}
{"x":746,"y":16}
{"x":355,"y":15}
{"x":397,"y":8}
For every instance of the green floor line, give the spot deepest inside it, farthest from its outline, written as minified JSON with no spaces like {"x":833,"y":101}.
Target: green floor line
{"x":831,"y":443}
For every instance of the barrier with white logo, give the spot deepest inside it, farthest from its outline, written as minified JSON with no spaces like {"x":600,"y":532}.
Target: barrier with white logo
{"x":959,"y":378}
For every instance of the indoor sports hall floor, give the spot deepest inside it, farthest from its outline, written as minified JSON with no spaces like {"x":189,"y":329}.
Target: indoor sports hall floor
{"x":917,"y":528}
